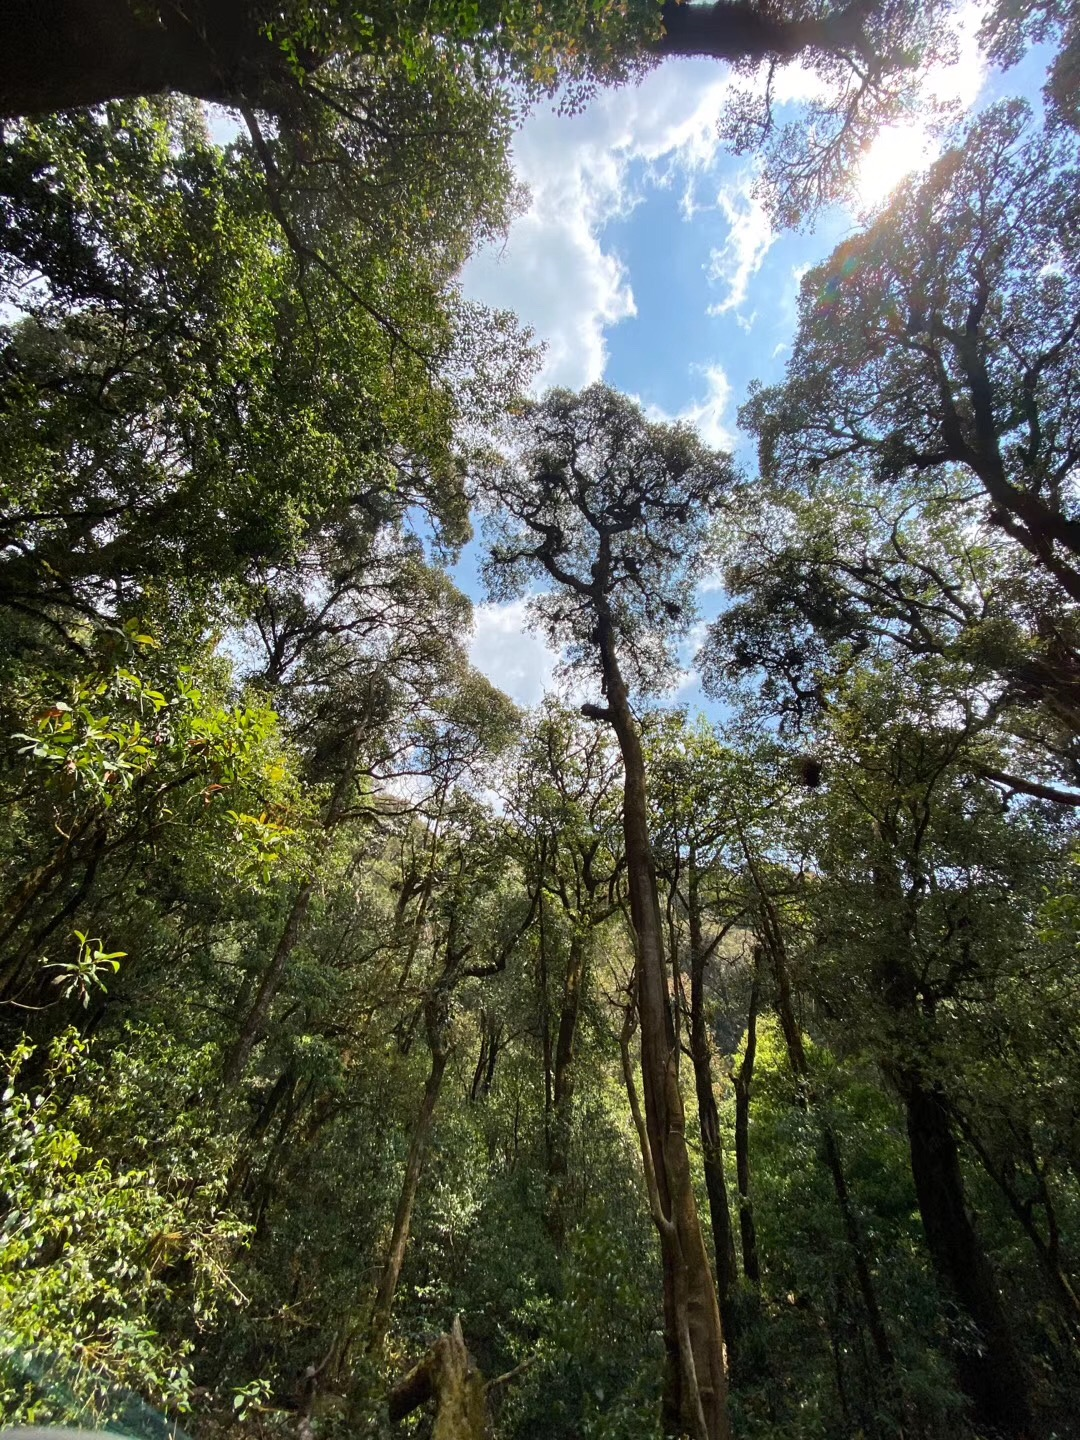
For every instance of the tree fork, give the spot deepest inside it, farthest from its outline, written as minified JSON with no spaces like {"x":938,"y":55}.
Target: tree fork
{"x":447,"y":1375}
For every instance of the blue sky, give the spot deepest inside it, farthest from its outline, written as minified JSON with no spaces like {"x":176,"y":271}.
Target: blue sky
{"x":645,"y":260}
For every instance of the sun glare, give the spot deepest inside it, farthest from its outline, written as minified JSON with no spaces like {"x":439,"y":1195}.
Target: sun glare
{"x":898,"y":150}
{"x":893,"y":153}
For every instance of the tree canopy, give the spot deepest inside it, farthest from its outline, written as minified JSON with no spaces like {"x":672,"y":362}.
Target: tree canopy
{"x":382,"y":1058}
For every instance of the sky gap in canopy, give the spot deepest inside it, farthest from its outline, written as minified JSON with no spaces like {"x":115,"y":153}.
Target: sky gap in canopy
{"x":645,"y":260}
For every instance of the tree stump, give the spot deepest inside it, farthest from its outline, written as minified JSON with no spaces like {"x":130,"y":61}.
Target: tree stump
{"x":448,"y":1376}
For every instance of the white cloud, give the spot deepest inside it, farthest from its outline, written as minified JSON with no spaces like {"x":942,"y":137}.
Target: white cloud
{"x":554,"y":269}
{"x":688,"y":677}
{"x":750,"y":234}
{"x":512,"y":656}
{"x":961,"y":81}
{"x":707,"y":416}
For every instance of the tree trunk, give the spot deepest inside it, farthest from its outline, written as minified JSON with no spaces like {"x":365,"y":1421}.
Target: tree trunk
{"x":59,"y":54}
{"x":491,"y":1046}
{"x":545,"y":1021}
{"x":731,"y":30}
{"x":712,"y":1149}
{"x":563,"y":1082}
{"x":697,"y":1387}
{"x":254,"y":1023}
{"x":744,"y":1078}
{"x":990,"y":1371}
{"x":1048,"y":1249}
{"x":438,"y":1039}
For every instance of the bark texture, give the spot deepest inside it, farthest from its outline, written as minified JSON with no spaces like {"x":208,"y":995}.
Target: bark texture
{"x":59,"y":54}
{"x":727,"y":31}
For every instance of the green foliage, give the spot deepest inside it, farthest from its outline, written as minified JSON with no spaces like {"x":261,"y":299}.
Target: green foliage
{"x":95,"y":1250}
{"x":305,"y":928}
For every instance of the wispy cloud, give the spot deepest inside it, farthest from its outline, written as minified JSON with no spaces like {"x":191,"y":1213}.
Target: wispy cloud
{"x":750,"y":235}
{"x":708,"y":415}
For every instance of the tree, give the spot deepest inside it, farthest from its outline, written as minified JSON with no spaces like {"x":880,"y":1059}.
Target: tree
{"x":824,"y":571}
{"x":923,"y":880}
{"x":936,"y":874}
{"x":188,"y":399}
{"x":244,"y":52}
{"x":614,"y":514}
{"x":691,"y":824}
{"x":945,"y":336}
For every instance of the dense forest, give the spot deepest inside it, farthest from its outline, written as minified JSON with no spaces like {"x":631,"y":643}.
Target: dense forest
{"x":381,"y":1058}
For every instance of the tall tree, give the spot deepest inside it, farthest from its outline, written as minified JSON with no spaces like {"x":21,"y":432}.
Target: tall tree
{"x":692,"y":822}
{"x":188,"y":401}
{"x":613,"y":513}
{"x":244,"y":51}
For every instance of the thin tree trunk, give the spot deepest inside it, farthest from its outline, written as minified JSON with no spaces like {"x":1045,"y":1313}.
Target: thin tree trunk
{"x":774,"y":941}
{"x":254,"y":1023}
{"x":712,"y":1149}
{"x":990,"y":1371}
{"x":545,"y":1021}
{"x":476,"y":1089}
{"x":563,"y":1079}
{"x":439,"y":1042}
{"x":744,"y":1077}
{"x":1048,"y":1251}
{"x":490,"y":1049}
